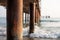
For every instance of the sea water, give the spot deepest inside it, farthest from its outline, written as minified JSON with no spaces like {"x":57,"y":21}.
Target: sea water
{"x":48,"y":28}
{"x":2,"y":26}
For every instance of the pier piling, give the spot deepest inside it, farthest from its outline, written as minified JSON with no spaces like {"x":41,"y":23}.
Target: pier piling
{"x":32,"y":17}
{"x":14,"y":19}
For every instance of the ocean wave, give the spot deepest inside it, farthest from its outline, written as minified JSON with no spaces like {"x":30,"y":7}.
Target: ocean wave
{"x":42,"y":33}
{"x":38,"y":32}
{"x":2,"y":31}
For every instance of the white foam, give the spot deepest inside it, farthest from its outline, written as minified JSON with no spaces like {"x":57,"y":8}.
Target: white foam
{"x":43,"y":33}
{"x":38,"y":32}
{"x":2,"y":31}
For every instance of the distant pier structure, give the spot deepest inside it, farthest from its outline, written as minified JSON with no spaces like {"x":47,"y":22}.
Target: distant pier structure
{"x":15,"y":9}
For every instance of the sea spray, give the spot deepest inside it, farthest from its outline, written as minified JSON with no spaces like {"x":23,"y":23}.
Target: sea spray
{"x":41,"y":33}
{"x":3,"y":31}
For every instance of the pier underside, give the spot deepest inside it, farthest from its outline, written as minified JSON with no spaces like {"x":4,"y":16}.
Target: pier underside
{"x":26,"y":7}
{"x":15,"y":9}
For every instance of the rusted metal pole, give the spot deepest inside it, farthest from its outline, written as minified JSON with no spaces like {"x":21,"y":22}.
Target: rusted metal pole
{"x":32,"y":17}
{"x":14,"y":19}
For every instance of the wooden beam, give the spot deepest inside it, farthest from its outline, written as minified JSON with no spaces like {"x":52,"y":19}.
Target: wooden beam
{"x":32,"y":17}
{"x":14,"y":19}
{"x":37,"y":16}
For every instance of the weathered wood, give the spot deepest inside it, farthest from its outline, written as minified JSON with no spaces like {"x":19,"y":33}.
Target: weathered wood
{"x":37,"y":16}
{"x":25,"y":4}
{"x":14,"y":19}
{"x":32,"y":17}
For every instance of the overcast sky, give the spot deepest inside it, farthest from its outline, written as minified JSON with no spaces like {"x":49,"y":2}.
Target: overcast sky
{"x":48,"y":8}
{"x":2,"y":11}
{"x":51,"y":8}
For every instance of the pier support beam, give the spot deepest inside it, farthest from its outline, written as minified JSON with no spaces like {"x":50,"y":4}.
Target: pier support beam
{"x":14,"y":19}
{"x":32,"y":17}
{"x":37,"y":15}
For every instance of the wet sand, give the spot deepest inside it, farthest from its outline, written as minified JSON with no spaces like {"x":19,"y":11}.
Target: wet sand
{"x":27,"y":38}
